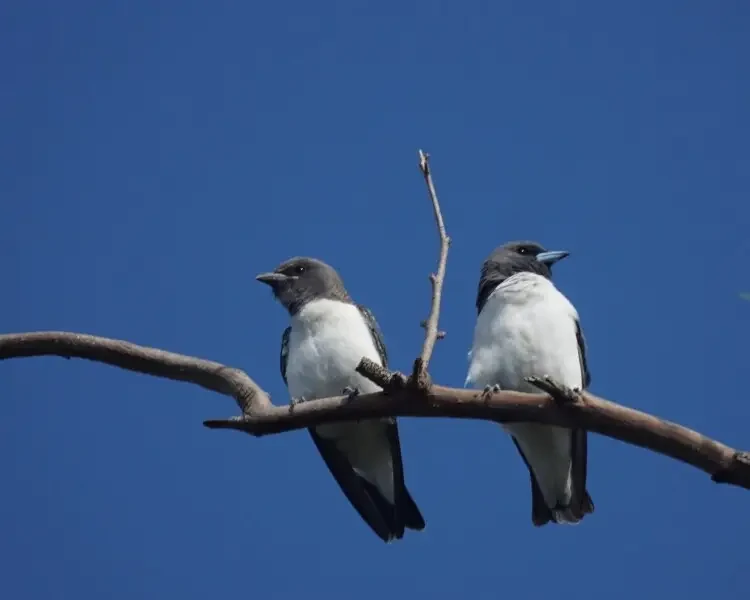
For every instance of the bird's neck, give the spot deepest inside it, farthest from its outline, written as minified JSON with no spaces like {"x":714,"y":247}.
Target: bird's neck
{"x":321,"y":313}
{"x":522,"y":287}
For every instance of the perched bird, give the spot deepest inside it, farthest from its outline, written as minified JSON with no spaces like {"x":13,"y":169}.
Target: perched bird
{"x":527,"y":328}
{"x":328,"y":336}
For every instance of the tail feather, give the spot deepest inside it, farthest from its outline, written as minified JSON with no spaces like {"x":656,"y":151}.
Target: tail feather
{"x":574,"y":512}
{"x":406,"y":512}
{"x":580,"y":503}
{"x":366,"y":499}
{"x":540,"y":512}
{"x":409,"y":512}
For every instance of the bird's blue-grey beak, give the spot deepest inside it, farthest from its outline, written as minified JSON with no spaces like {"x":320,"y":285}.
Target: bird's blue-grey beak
{"x":550,"y":258}
{"x":272,"y":279}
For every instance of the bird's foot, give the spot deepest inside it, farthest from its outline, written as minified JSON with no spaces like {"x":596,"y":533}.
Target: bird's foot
{"x":560,"y":393}
{"x":489,"y":390}
{"x":294,"y":402}
{"x":351,"y":393}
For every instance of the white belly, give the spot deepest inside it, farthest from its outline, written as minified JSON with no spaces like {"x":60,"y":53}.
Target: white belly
{"x":327,"y":342}
{"x":528,"y":328}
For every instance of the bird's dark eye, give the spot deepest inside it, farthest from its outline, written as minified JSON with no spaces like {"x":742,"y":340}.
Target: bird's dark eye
{"x":523,"y":250}
{"x":299,"y":269}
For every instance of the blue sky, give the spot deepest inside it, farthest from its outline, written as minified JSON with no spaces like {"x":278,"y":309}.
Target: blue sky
{"x":155,"y":156}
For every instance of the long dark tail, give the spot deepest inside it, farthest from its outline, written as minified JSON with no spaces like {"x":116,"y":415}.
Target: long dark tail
{"x":409,"y":512}
{"x":406,"y":510}
{"x":580,"y":504}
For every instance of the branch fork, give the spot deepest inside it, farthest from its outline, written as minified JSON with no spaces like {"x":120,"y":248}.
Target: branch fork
{"x":419,"y":380}
{"x":563,"y":395}
{"x":390,"y":381}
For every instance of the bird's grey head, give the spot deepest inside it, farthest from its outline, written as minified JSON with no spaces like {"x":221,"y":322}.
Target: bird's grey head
{"x":511,"y":258}
{"x":300,"y":280}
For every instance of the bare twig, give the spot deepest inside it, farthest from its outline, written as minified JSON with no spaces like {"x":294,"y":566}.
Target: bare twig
{"x":260,"y":417}
{"x":387,"y":380}
{"x":432,"y":333}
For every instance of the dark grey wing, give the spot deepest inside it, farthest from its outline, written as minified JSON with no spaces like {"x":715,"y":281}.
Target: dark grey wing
{"x":374,"y":509}
{"x":408,"y":514}
{"x":377,"y":335}
{"x":581,"y":502}
{"x":485,"y":288}
{"x":540,"y":512}
{"x":585,"y":374}
{"x":284,"y":356}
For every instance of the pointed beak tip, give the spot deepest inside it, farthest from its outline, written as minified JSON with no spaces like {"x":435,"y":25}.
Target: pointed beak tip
{"x":269,"y":278}
{"x":551,"y":257}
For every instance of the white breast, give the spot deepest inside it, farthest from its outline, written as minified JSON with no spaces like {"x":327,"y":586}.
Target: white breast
{"x":327,"y":341}
{"x":526,"y":327}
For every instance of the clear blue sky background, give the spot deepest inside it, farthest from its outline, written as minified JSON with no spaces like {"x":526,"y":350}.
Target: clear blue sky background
{"x":155,"y":156}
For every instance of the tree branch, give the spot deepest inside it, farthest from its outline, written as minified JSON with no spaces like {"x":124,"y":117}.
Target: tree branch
{"x":210,"y":375}
{"x":432,"y":333}
{"x":260,"y":417}
{"x":402,"y":397}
